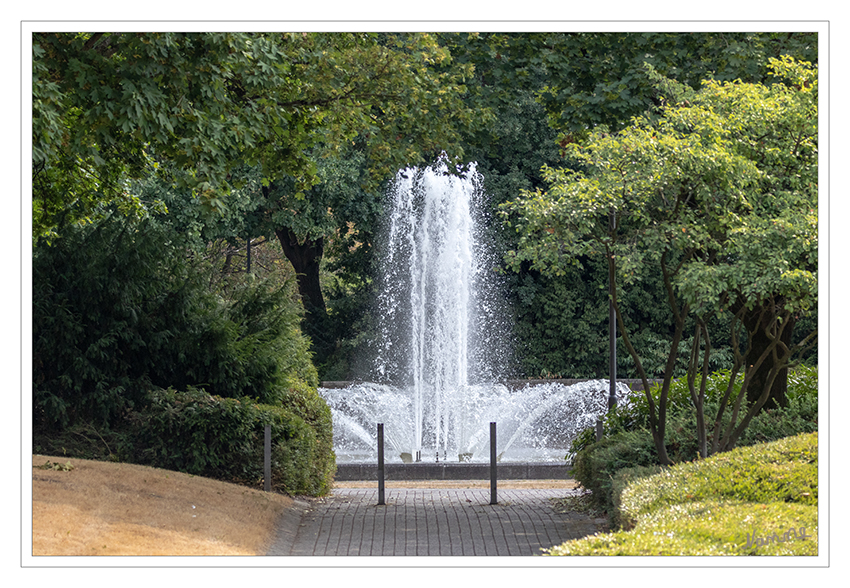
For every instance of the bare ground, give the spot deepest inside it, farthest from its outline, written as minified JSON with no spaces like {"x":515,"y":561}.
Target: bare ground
{"x":103,"y":508}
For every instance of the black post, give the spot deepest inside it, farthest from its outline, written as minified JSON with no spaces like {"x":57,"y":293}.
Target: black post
{"x":380,"y":464}
{"x":493,"y":464}
{"x":267,"y":459}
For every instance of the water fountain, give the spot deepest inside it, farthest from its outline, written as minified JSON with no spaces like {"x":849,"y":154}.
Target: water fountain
{"x":442,"y":342}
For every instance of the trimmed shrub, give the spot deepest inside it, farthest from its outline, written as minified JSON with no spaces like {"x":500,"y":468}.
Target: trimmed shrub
{"x":305,"y":402}
{"x":621,"y":480}
{"x":757,"y":500}
{"x":222,"y":438}
{"x":781,"y":471}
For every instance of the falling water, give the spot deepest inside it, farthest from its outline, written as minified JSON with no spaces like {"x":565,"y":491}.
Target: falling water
{"x":442,"y":341}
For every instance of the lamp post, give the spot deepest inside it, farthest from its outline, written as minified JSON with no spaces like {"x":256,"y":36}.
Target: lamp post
{"x":612,"y":322}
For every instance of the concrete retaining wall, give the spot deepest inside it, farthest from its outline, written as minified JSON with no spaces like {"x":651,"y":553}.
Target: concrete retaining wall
{"x":454,"y":471}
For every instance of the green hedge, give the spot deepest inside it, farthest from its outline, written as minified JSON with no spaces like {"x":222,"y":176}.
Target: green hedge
{"x":223,"y":438}
{"x":596,"y":466}
{"x":749,"y":501}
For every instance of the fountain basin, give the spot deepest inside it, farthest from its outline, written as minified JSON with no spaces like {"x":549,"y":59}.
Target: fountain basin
{"x":536,"y":424}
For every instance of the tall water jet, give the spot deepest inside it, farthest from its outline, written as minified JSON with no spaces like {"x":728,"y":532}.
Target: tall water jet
{"x":442,"y":340}
{"x":436,"y":299}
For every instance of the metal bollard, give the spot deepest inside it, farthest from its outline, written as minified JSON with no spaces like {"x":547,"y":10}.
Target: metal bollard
{"x":380,"y":464}
{"x":493,"y":464}
{"x":267,"y":459}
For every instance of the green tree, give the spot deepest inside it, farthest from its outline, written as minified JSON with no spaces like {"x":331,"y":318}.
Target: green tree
{"x":546,"y":88}
{"x":717,"y":193}
{"x":322,"y":118}
{"x":108,"y":106}
{"x":598,"y":79}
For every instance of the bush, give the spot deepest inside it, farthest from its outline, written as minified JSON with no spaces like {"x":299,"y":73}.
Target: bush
{"x":595,"y":466}
{"x":621,"y":480}
{"x":781,"y":471}
{"x":223,"y":438}
{"x":628,"y":443}
{"x":718,"y":506}
{"x":100,"y":298}
{"x":800,"y":416}
{"x":119,"y":310}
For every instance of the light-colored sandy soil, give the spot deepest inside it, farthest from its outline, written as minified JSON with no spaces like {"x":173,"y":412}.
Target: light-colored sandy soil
{"x":99,"y":508}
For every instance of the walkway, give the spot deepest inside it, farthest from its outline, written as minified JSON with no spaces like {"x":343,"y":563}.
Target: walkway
{"x":444,"y":521}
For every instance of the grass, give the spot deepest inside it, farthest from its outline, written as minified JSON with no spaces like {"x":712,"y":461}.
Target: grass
{"x":754,"y":500}
{"x":83,"y":507}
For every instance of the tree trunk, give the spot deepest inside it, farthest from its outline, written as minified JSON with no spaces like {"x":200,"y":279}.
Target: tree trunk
{"x":306,"y":258}
{"x":760,"y":342}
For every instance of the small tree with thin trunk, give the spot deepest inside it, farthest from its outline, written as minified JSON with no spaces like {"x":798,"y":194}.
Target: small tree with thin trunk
{"x":717,"y":192}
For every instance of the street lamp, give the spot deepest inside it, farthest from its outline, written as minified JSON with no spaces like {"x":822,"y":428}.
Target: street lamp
{"x":612,"y":323}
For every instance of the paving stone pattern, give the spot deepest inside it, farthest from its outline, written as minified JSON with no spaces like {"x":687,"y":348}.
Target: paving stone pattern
{"x":436,"y":522}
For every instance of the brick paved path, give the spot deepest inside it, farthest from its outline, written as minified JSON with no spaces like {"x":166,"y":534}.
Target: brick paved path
{"x":431,"y":522}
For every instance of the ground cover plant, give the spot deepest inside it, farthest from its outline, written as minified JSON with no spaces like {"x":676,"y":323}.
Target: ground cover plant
{"x":758,"y":500}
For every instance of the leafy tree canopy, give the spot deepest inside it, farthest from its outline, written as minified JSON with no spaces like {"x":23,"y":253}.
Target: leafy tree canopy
{"x":108,"y":106}
{"x":725,"y":183}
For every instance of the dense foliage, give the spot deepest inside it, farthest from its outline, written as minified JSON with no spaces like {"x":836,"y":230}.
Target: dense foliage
{"x":716,"y":196}
{"x":122,"y":310}
{"x":108,"y":106}
{"x":760,"y":500}
{"x":627,"y":449}
{"x":119,"y":309}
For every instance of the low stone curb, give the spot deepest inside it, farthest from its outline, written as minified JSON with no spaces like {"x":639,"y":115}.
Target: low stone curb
{"x":454,"y":471}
